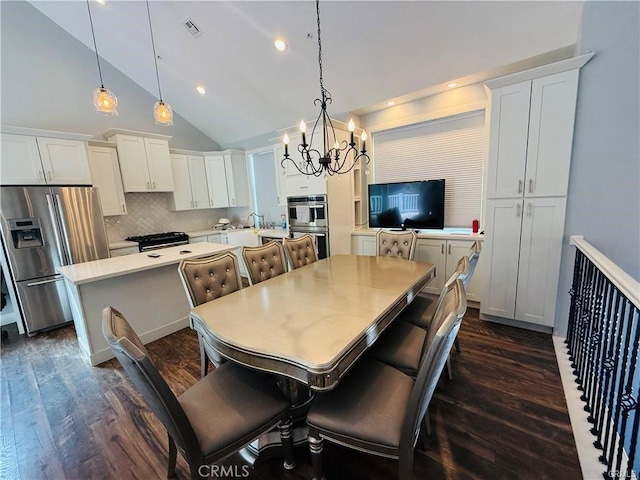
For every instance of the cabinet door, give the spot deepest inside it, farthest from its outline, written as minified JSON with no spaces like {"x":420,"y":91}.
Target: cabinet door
{"x":215,"y":238}
{"x":198,"y":239}
{"x":198,"y":177}
{"x":540,"y":251}
{"x":121,"y":252}
{"x":237,"y":179}
{"x":20,"y":160}
{"x":508,"y":132}
{"x":217,"y":181}
{"x":456,"y":249}
{"x":553,"y":106}
{"x":363,"y":245}
{"x":105,"y":174}
{"x":133,"y":163}
{"x":433,"y":251}
{"x":502,"y":249}
{"x":159,"y":160}
{"x":181,"y":198}
{"x":65,"y":161}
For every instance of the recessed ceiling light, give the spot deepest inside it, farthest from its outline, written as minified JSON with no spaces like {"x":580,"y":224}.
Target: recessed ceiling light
{"x":101,"y":2}
{"x":452,"y":84}
{"x":391,"y":103}
{"x":280,"y":44}
{"x":201,"y":90}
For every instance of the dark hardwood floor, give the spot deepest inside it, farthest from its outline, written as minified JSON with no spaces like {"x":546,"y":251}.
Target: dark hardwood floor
{"x":502,"y":417}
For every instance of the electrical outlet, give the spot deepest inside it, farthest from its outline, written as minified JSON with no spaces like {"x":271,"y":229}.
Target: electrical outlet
{"x":123,"y":232}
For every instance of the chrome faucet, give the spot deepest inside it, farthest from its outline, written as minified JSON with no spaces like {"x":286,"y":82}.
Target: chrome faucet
{"x":258,"y":220}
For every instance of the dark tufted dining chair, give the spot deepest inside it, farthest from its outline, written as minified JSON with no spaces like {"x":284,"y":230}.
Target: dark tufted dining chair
{"x":206,"y":279}
{"x":301,"y":251}
{"x":212,"y":419}
{"x":264,"y":262}
{"x":396,"y":244}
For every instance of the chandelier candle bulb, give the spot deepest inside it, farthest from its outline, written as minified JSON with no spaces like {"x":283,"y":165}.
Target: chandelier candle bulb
{"x":303,"y":129}
{"x":363,"y":137}
{"x":285,"y":140}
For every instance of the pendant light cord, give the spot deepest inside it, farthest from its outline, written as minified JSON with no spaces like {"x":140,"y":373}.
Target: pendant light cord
{"x":155,"y":58}
{"x":95,"y":46}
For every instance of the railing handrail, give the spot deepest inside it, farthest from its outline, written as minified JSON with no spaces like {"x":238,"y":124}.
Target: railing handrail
{"x":627,"y":285}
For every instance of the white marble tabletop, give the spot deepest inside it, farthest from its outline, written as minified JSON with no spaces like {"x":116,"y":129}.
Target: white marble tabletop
{"x":80,"y":273}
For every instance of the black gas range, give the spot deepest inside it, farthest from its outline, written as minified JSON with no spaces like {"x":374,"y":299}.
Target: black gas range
{"x":160,"y":240}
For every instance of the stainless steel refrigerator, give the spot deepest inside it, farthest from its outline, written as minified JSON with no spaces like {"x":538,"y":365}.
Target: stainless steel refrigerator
{"x":44,"y":228}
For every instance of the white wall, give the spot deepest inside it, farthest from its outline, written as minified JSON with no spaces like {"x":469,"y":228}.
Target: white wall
{"x":48,"y":79}
{"x":604,"y":185}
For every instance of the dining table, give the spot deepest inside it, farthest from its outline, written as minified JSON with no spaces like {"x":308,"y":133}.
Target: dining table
{"x":310,"y":325}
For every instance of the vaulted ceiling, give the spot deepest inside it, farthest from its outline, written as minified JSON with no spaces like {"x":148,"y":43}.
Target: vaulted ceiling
{"x":372,"y":51}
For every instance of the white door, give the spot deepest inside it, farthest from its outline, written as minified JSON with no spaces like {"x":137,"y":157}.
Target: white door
{"x":133,"y":163}
{"x":181,"y":197}
{"x":217,"y":181}
{"x":540,"y":251}
{"x":159,"y":160}
{"x":553,"y":105}
{"x":278,"y":155}
{"x":508,"y":134}
{"x":105,"y":174}
{"x":502,"y":248}
{"x":433,"y":251}
{"x":20,"y":160}
{"x":65,"y":161}
{"x":198,"y":176}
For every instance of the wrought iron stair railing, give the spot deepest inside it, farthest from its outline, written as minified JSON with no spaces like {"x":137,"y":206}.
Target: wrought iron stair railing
{"x":603,"y":339}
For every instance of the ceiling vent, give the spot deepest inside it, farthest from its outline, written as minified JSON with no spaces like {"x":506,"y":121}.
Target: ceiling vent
{"x":192,"y":27}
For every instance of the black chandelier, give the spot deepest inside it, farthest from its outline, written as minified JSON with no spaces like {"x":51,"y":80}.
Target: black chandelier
{"x":332,"y":160}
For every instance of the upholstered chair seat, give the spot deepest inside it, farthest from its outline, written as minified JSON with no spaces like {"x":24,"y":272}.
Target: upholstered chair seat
{"x":204,"y":280}
{"x":212,"y":419}
{"x":396,"y":244}
{"x":264,"y":262}
{"x":301,"y":251}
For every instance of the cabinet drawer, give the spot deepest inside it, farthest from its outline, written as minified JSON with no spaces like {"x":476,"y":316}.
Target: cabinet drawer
{"x":119,"y":252}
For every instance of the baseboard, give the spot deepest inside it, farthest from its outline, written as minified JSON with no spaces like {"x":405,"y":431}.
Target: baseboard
{"x":516,"y":323}
{"x":588,"y":455}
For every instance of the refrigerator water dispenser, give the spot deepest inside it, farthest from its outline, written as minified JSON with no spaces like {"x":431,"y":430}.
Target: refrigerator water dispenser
{"x":25,"y":232}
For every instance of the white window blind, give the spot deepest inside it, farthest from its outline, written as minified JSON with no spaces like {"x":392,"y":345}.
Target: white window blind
{"x":451,"y":148}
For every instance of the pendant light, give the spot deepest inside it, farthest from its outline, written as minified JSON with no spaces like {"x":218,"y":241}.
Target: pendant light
{"x":162,"y":112}
{"x":104,"y":101}
{"x":336,"y":157}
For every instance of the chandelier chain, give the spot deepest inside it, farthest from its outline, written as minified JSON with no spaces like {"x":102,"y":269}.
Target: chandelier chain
{"x":95,"y":46}
{"x":155,"y":57}
{"x":322,"y":89}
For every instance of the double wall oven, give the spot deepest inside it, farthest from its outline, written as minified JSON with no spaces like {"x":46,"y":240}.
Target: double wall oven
{"x":309,"y":215}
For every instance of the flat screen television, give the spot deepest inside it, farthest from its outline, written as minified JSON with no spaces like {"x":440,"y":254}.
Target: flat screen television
{"x":412,"y":205}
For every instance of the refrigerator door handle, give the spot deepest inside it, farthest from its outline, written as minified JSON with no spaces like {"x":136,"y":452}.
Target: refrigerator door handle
{"x":54,"y":224}
{"x":43,"y":282}
{"x":65,"y":234}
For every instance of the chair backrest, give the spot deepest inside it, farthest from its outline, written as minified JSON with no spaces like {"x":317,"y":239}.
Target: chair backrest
{"x":264,"y":262}
{"x":452,"y":299}
{"x":462,"y":270}
{"x":206,"y":279}
{"x":429,"y":372}
{"x":396,"y":244}
{"x":134,"y":358}
{"x":301,"y":250}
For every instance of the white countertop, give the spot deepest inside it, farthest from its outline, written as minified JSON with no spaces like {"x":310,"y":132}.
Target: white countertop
{"x":449,"y":233}
{"x":113,"y":267}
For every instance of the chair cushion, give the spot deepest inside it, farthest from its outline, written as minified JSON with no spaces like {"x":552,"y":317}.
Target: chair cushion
{"x":420,"y":311}
{"x":231,"y":403}
{"x":369,"y":405}
{"x":401,"y":347}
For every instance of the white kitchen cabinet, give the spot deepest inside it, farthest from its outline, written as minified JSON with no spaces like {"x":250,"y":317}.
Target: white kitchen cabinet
{"x":235,"y":165}
{"x":217,"y":238}
{"x":28,"y":160}
{"x":216,"y":180}
{"x":145,"y":163}
{"x":297,"y":184}
{"x":363,"y":245}
{"x":64,"y":162}
{"x":530,"y":138}
{"x":105,"y":174}
{"x":190,"y":182}
{"x":20,"y":161}
{"x":199,"y":239}
{"x":524,"y":258}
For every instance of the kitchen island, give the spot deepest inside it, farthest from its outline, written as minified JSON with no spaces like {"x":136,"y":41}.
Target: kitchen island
{"x":146,"y":288}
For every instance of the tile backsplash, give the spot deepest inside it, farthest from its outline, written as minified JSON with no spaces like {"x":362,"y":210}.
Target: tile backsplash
{"x":149,"y":213}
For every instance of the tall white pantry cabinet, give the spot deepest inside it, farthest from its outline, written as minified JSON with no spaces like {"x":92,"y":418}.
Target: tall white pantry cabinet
{"x":530,"y":139}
